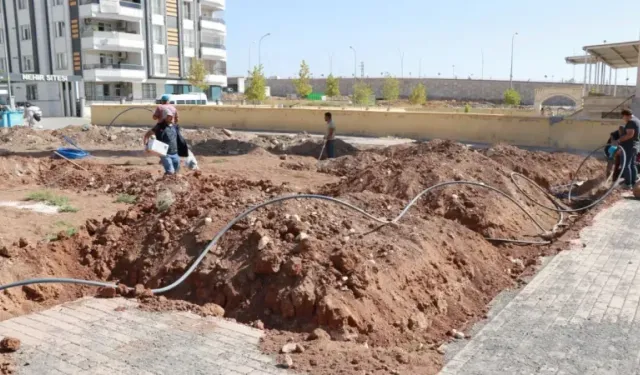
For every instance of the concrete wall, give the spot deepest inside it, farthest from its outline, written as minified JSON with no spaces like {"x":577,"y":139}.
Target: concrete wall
{"x":443,"y":89}
{"x":473,"y":128}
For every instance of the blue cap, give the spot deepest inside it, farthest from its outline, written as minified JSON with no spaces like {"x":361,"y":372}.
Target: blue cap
{"x":165,"y":97}
{"x":612,"y":150}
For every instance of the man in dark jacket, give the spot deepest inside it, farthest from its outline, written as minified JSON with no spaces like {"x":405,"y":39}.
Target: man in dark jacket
{"x":630,"y":143}
{"x":166,"y":132}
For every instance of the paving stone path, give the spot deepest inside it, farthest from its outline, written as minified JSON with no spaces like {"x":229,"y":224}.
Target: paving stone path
{"x":112,"y":336}
{"x":579,"y":315}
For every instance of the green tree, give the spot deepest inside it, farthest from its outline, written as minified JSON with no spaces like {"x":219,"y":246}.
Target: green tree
{"x":391,"y":89}
{"x":303,"y":87}
{"x":257,"y":87}
{"x":512,"y":97}
{"x":198,"y":75}
{"x":467,"y":108}
{"x":418,"y":94}
{"x":333,"y":86}
{"x":362,"y":93}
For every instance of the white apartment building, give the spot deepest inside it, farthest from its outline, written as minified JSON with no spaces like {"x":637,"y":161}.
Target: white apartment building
{"x":62,"y":51}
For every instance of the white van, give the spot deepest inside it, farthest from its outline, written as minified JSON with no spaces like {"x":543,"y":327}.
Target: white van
{"x":194,"y":98}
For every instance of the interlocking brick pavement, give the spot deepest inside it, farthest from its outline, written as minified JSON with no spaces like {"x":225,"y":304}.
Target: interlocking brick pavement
{"x":579,"y":315}
{"x":93,"y":336}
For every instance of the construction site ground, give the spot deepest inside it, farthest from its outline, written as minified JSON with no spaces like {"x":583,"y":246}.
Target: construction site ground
{"x":334,"y":290}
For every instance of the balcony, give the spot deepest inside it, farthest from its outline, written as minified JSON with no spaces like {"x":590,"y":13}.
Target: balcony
{"x":117,"y":41}
{"x":117,"y":72}
{"x":213,"y":51}
{"x":216,"y":4}
{"x":124,"y":10}
{"x":216,"y":80}
{"x":215,"y":24}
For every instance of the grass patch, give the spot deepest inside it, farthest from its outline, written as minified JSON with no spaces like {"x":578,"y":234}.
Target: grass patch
{"x":218,"y":161}
{"x":126,"y":198}
{"x":62,"y":227}
{"x":52,"y":199}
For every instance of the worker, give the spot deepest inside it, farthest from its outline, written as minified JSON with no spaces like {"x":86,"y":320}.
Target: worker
{"x":29,"y":116}
{"x":164,"y":102}
{"x":166,"y":132}
{"x":330,"y":136}
{"x":630,"y":142}
{"x":612,"y":152}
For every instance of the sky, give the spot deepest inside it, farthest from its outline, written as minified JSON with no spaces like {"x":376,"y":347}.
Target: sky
{"x":440,"y":33}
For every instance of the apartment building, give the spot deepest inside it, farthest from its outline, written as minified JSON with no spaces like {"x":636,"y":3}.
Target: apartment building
{"x":62,"y":51}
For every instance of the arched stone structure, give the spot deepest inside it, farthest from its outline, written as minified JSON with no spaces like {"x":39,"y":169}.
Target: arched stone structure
{"x":544,"y":93}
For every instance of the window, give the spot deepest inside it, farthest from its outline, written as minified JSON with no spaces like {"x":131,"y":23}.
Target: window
{"x":59,"y":29}
{"x":158,"y":34}
{"x":187,"y":13}
{"x":27,"y":63}
{"x":158,"y":7}
{"x":159,"y":64}
{"x":25,"y":32}
{"x":189,"y":38}
{"x":32,"y":92}
{"x":149,"y":91}
{"x":105,"y":26}
{"x":106,"y":59}
{"x":22,"y":4}
{"x":58,"y":2}
{"x":3,"y":64}
{"x":118,"y":89}
{"x":187,"y":64}
{"x":61,"y":60}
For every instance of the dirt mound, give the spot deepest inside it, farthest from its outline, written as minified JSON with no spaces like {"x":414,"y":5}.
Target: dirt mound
{"x":304,"y":264}
{"x":408,"y":169}
{"x":387,"y":296}
{"x":547,"y":169}
{"x":313,"y":148}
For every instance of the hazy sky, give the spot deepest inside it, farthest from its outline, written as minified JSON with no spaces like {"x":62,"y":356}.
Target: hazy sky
{"x":441,"y":33}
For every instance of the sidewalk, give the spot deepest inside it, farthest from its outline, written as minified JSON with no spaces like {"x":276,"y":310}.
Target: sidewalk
{"x":112,"y":336}
{"x":577,"y":316}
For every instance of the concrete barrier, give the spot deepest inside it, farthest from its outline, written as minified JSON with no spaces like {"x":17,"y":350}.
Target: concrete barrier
{"x":472,"y":128}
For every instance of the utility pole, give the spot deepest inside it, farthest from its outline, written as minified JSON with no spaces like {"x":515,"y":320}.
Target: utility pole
{"x":7,"y":68}
{"x":513,"y":38}
{"x":331,"y":63}
{"x":482,"y":72}
{"x":355,"y":63}
{"x":260,"y":49}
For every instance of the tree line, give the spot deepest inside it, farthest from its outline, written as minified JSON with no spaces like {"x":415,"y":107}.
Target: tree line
{"x":362,"y":92}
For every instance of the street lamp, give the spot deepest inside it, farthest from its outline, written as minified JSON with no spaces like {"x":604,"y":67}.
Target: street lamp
{"x":260,"y":49}
{"x":331,"y":63}
{"x":513,"y":38}
{"x":355,"y":63}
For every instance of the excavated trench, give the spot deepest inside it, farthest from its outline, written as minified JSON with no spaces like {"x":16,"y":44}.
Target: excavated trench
{"x":305,"y":264}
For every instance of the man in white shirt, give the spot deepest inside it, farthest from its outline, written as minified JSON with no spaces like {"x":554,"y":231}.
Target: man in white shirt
{"x":330,"y":136}
{"x":29,"y":115}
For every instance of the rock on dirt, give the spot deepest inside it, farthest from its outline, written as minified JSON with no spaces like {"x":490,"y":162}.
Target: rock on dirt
{"x":107,"y":292}
{"x":318,"y":334}
{"x":212,"y":309}
{"x":9,"y":344}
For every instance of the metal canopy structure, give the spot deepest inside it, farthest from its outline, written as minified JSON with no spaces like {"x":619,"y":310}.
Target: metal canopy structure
{"x":599,"y":57}
{"x":579,"y":60}
{"x":616,"y":55}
